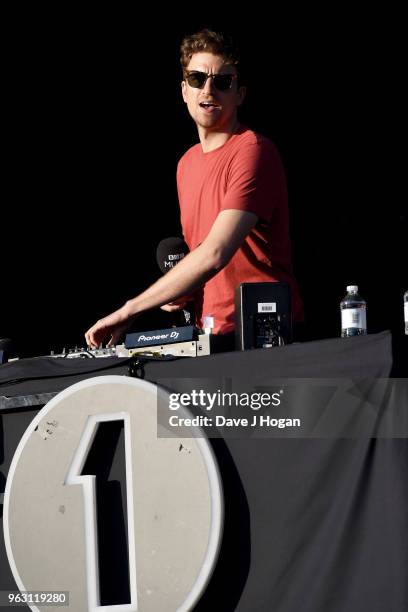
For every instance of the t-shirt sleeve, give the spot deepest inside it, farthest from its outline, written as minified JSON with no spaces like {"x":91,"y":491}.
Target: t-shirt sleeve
{"x":256,"y":181}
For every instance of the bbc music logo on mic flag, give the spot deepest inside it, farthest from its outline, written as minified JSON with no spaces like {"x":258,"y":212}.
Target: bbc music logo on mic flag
{"x":170,"y":251}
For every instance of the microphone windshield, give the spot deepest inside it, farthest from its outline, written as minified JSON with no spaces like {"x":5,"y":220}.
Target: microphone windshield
{"x":169,"y":252}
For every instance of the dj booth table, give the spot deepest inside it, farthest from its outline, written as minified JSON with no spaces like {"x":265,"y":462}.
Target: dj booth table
{"x":310,"y":523}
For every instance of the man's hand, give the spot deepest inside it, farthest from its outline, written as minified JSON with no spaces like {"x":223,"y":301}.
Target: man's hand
{"x":176,"y":305}
{"x":112,"y":326}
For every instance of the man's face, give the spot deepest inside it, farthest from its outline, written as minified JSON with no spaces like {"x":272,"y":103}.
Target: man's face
{"x":212,"y":108}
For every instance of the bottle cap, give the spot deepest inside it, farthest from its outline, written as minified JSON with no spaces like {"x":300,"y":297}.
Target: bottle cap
{"x":352,"y":288}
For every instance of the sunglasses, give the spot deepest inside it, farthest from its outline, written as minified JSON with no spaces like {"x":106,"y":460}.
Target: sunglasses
{"x":222,"y":82}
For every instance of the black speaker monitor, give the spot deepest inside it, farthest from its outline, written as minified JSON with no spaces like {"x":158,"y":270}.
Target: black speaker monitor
{"x":263,"y":315}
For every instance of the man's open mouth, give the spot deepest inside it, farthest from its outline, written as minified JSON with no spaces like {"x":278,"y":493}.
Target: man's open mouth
{"x":209,"y":105}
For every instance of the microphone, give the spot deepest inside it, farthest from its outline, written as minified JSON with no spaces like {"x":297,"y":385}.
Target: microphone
{"x":170,"y":252}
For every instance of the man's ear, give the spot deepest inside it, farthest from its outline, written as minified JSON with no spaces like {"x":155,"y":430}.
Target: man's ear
{"x":184,"y":91}
{"x":241,"y":93}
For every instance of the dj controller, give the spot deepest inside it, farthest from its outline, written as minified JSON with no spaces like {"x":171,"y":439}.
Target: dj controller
{"x":184,"y":341}
{"x":263,"y":320}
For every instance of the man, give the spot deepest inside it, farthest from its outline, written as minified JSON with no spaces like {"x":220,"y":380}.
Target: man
{"x":233,"y":202}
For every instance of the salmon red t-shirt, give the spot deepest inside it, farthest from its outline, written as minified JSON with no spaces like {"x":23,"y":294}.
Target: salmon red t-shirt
{"x":246,"y":174}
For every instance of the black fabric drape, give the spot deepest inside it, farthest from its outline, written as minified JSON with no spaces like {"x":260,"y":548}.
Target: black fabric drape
{"x":318,"y":525}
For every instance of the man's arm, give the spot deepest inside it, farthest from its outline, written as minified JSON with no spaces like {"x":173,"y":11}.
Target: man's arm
{"x":226,"y":235}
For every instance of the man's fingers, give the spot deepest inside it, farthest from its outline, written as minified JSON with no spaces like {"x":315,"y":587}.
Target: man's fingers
{"x":172,"y":307}
{"x":90,"y":341}
{"x":94,"y":336}
{"x":114,"y":338}
{"x":169,"y":308}
{"x":112,"y":327}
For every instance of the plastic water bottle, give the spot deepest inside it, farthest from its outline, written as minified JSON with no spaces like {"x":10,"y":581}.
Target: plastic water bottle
{"x":406,"y":311}
{"x":353,"y":313}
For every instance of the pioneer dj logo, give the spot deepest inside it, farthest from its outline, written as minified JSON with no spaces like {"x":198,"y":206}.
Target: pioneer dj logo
{"x":160,"y":336}
{"x":173,"y":336}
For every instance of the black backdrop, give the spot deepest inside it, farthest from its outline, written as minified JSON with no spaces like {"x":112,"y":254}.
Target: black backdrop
{"x":95,"y":125}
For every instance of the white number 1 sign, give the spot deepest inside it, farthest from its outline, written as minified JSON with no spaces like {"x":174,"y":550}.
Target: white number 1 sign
{"x":174,"y":509}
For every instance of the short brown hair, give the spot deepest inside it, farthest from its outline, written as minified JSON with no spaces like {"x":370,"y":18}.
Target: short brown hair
{"x":208,"y":41}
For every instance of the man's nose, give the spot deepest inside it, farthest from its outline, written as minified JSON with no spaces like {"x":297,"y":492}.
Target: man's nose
{"x":209,"y":85}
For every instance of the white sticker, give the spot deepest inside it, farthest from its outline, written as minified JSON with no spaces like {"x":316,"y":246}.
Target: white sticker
{"x":405,"y":313}
{"x":353,"y":317}
{"x":208,"y":322}
{"x":267,"y":307}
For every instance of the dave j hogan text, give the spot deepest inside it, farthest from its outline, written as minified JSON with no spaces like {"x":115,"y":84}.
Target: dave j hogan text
{"x":257,"y":420}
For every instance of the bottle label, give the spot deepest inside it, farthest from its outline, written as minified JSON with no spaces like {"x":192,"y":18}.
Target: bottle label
{"x":353,"y":317}
{"x":406,"y":312}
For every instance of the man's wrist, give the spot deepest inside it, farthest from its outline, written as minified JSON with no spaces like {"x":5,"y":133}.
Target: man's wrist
{"x":130,"y":310}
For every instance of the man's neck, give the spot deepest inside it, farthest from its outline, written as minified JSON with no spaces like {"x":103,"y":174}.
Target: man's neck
{"x":211,"y":140}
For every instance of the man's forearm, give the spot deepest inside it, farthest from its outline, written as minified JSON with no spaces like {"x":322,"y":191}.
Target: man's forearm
{"x":191,"y":273}
{"x":226,"y":235}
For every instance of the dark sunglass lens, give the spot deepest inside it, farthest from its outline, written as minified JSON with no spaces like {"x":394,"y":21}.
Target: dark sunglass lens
{"x":223,"y":81}
{"x":197,"y":79}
